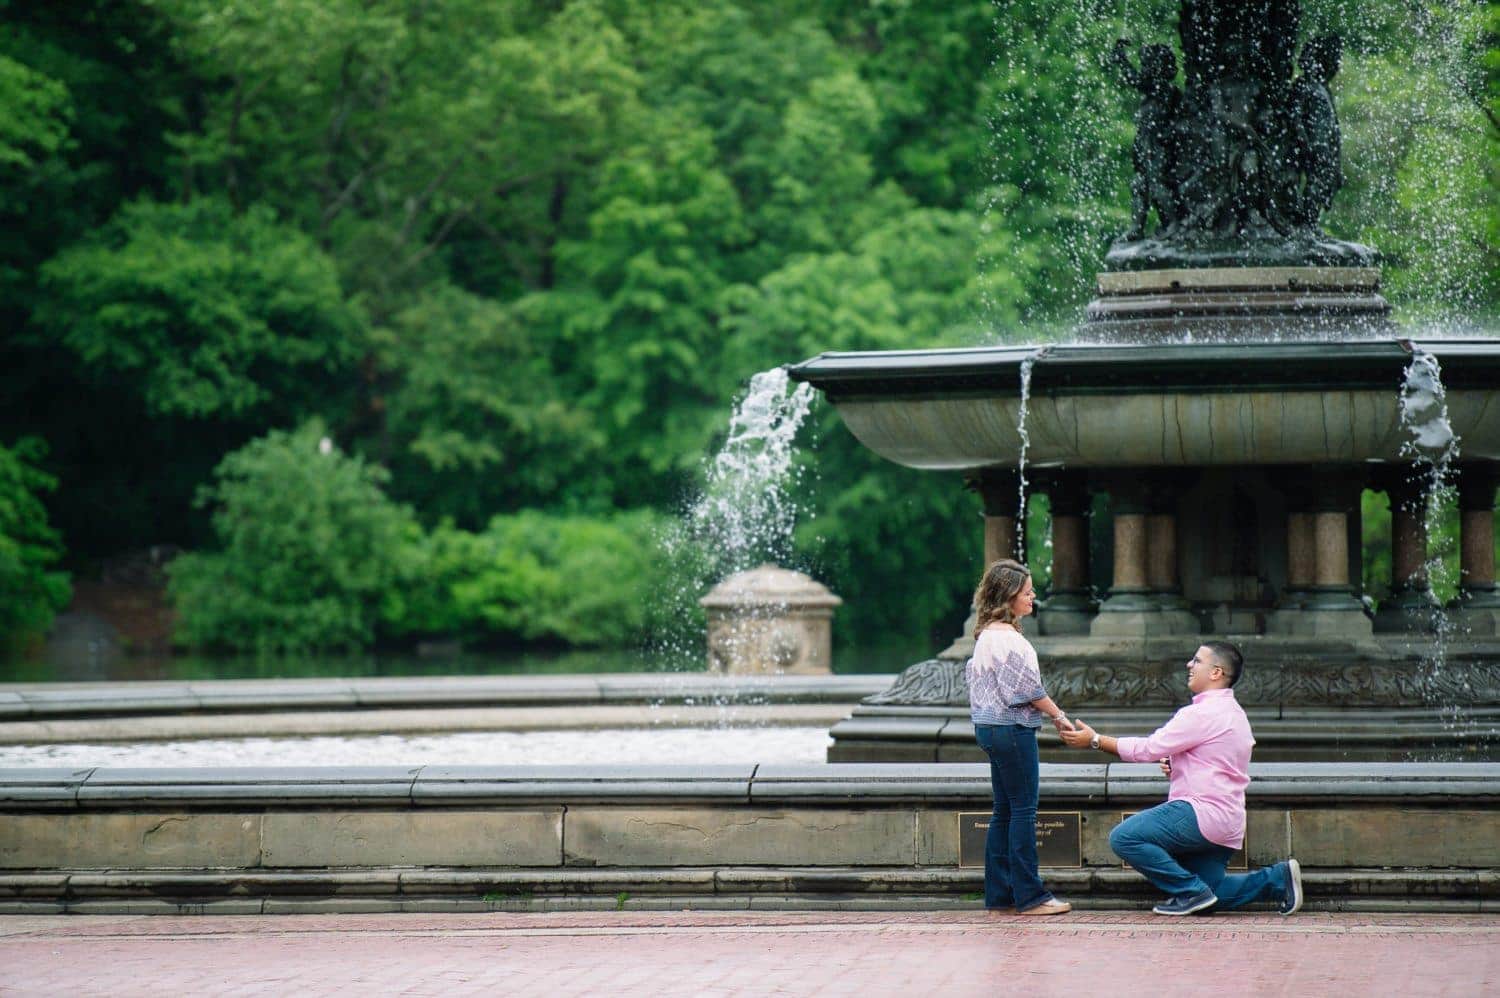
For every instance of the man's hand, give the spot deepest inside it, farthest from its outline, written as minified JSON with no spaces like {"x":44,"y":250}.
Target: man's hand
{"x":1079,"y":737}
{"x":1166,"y":767}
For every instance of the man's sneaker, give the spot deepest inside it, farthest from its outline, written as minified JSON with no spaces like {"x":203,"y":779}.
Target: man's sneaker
{"x":1293,"y":902}
{"x":1187,"y":904}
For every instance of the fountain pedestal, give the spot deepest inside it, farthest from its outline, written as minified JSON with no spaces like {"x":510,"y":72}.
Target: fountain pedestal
{"x":770,"y":620}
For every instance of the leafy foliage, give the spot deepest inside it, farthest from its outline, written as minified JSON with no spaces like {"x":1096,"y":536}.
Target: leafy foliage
{"x":31,"y":589}
{"x":535,"y":577}
{"x":519,"y":258}
{"x":311,"y":551}
{"x":212,"y":314}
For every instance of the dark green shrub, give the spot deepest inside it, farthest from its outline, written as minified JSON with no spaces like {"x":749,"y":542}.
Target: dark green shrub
{"x":30,"y":590}
{"x":313,"y":553}
{"x":536,"y":577}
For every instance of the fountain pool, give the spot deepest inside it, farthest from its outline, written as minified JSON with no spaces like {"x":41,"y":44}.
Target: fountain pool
{"x":606,"y":746}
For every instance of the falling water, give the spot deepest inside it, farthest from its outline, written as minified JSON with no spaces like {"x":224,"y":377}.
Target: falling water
{"x":745,"y":515}
{"x":1434,"y":448}
{"x":746,"y":512}
{"x":1026,"y":366}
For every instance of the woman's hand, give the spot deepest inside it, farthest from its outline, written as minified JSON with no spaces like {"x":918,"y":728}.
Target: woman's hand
{"x":1078,"y":737}
{"x":1061,"y":723}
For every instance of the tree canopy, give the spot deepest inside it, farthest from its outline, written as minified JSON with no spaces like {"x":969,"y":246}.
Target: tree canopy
{"x":517,"y":259}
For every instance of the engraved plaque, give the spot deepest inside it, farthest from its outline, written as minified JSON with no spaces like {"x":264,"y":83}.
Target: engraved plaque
{"x":1239,"y":861}
{"x":1059,"y":838}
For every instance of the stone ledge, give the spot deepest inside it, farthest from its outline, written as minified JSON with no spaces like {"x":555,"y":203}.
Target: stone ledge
{"x":1238,"y":278}
{"x":883,"y":783}
{"x":36,"y":701}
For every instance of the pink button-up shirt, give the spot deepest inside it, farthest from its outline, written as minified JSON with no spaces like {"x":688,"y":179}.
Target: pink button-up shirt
{"x":1209,"y":743}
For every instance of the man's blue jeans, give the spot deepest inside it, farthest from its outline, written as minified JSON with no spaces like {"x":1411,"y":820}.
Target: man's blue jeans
{"x":1165,"y":845}
{"x":1011,"y":877}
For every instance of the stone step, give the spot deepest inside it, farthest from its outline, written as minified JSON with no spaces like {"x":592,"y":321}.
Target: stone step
{"x":469,"y":889}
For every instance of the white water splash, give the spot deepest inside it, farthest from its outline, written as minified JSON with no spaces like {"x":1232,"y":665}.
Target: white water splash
{"x":746,"y":512}
{"x":745,"y":515}
{"x":1424,"y":413}
{"x":1434,"y":448}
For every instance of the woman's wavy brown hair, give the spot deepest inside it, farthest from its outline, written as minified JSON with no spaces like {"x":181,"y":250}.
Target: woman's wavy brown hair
{"x":1002,"y":583}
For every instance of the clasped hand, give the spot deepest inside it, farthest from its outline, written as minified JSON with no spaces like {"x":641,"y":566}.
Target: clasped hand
{"x":1077,"y":735}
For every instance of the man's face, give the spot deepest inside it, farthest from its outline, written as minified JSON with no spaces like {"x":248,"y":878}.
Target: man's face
{"x":1202,"y":669}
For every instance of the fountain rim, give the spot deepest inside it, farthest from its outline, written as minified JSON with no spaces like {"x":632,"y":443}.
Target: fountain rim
{"x":1065,"y":369}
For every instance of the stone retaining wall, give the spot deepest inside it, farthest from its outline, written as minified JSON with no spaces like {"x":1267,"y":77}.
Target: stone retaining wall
{"x":43,"y":701}
{"x":1370,"y":835}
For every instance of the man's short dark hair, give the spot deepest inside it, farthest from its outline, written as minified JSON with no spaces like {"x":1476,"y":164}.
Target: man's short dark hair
{"x":1229,"y":659}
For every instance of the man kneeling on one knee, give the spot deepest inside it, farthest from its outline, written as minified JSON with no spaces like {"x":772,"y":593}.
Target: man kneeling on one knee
{"x":1184,"y":845}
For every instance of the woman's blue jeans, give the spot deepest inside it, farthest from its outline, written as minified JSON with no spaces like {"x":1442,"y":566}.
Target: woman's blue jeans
{"x":1011,"y":877}
{"x":1166,"y":846}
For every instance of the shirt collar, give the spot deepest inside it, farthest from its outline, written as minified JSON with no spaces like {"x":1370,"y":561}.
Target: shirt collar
{"x":1215,"y":694}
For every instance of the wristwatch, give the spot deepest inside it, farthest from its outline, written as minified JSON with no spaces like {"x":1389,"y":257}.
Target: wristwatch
{"x":1094,"y":742}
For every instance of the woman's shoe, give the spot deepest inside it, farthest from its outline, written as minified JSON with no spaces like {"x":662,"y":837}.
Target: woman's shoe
{"x":1053,"y":907}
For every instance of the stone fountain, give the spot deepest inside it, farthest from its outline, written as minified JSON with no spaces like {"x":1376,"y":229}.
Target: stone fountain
{"x":1236,"y":383}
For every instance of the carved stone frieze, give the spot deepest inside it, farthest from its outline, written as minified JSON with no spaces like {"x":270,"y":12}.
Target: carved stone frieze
{"x":1298,"y":682}
{"x":934,"y":683}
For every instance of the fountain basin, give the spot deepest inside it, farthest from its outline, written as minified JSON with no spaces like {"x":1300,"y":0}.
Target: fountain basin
{"x":1139,"y":406}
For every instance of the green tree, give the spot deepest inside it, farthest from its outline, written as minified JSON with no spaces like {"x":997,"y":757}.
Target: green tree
{"x":312,"y":552}
{"x":536,"y":577}
{"x":210,"y":313}
{"x":34,"y":116}
{"x":31,"y":589}
{"x":478,"y":418}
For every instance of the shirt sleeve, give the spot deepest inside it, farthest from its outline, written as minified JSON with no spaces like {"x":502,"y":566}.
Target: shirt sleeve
{"x":1028,"y":685}
{"x":1182,"y":732}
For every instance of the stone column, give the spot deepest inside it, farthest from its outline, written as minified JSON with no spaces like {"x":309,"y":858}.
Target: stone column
{"x":1476,"y":610}
{"x":1333,"y":608}
{"x":1409,"y":607}
{"x":1068,"y":609}
{"x":1300,"y":553}
{"x":1000,"y":497}
{"x":1000,"y":493}
{"x":1132,"y":608}
{"x":1161,"y":559}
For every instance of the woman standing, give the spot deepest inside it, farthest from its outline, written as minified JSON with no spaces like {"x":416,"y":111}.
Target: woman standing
{"x":1007,"y":702}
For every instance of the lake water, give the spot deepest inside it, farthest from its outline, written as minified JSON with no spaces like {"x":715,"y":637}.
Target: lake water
{"x":605,"y":746}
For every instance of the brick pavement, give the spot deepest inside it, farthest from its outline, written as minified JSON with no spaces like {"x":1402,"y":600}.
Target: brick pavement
{"x":750,"y":953}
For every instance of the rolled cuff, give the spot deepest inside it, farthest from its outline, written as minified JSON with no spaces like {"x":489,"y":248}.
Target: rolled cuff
{"x":1134,"y":750}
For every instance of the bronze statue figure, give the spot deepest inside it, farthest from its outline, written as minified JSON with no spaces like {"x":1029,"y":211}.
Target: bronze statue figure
{"x":1155,"y":133}
{"x":1240,"y":164}
{"x":1317,"y":127}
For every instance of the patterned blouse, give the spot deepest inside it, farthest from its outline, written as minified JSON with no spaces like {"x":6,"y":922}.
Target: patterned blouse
{"x":1003,"y":679}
